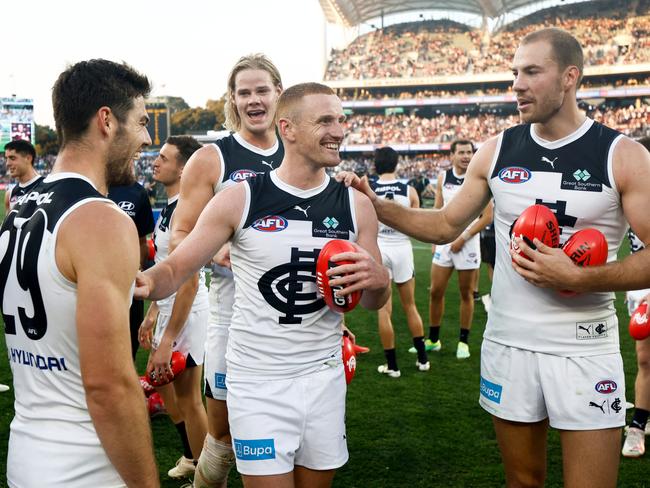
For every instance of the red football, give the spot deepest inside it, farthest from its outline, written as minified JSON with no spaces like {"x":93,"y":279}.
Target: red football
{"x":349,"y":359}
{"x":177,"y":364}
{"x":147,"y":387}
{"x":155,"y":405}
{"x":587,"y":247}
{"x":336,"y":303}
{"x":151,"y":247}
{"x":537,"y":221}
{"x":639,"y":326}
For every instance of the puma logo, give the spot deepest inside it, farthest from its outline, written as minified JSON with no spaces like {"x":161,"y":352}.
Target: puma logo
{"x":586,"y":329}
{"x":270,"y":165}
{"x":546,"y":160}
{"x":303,"y":210}
{"x":601,"y":406}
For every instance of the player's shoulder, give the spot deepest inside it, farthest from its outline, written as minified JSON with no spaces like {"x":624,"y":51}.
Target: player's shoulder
{"x":205,"y":162}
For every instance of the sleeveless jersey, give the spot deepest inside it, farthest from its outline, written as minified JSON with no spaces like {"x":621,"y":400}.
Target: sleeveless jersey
{"x":636,"y":244}
{"x":161,"y":236}
{"x":52,"y":427}
{"x":573,"y":177}
{"x":281,"y":327}
{"x":20,"y":189}
{"x":399,"y":193}
{"x":451,"y":183}
{"x":239,"y":162}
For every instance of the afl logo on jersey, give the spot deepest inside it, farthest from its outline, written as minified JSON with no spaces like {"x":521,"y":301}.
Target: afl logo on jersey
{"x":515,"y":174}
{"x":606,"y":386}
{"x":270,"y":223}
{"x":242,"y":174}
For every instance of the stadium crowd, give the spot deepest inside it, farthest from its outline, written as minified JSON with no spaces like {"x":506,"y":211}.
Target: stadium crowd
{"x":412,"y":49}
{"x":633,"y":121}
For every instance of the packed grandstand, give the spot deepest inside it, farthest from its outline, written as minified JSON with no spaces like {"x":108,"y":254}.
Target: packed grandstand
{"x":417,"y":86}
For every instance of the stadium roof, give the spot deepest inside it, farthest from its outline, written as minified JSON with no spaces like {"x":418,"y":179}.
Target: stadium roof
{"x":354,"y":12}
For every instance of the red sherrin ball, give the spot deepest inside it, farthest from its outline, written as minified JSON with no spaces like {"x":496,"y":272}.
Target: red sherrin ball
{"x":349,"y":359}
{"x":332,"y":248}
{"x":587,"y":247}
{"x":177,"y":365}
{"x":639,"y":326}
{"x":537,"y":221}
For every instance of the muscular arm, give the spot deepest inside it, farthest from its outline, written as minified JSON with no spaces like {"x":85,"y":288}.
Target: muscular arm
{"x":103,"y":265}
{"x":7,"y":192}
{"x":444,"y":225}
{"x":439,"y":201}
{"x":213,"y":229}
{"x":551,"y":268}
{"x":200,"y":174}
{"x":367,"y":273}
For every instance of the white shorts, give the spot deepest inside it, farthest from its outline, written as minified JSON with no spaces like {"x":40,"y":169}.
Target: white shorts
{"x":399,"y":261}
{"x":469,"y":257}
{"x":191,"y":340}
{"x":574,"y":393}
{"x":276,"y":425}
{"x":221,"y":294}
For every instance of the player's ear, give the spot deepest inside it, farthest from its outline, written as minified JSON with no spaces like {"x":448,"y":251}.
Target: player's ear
{"x":571,"y":77}
{"x":105,"y":121}
{"x":286,"y":127}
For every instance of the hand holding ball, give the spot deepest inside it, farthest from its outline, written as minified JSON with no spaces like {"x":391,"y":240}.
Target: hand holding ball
{"x":537,"y":221}
{"x":337,"y":303}
{"x":639,"y":326}
{"x":177,"y":365}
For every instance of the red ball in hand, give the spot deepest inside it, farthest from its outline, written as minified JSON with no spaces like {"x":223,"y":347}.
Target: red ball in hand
{"x":337,"y":303}
{"x":639,"y":325}
{"x":537,"y":221}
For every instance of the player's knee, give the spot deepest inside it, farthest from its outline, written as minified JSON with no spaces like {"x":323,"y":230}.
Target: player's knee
{"x":437,"y":294}
{"x":215,"y":462}
{"x":643,"y":362}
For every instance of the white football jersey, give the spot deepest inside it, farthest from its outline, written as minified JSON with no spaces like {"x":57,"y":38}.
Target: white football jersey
{"x":573,"y":177}
{"x":161,"y":237}
{"x":281,"y":327}
{"x":53,"y":441}
{"x":239,"y":162}
{"x":399,"y":193}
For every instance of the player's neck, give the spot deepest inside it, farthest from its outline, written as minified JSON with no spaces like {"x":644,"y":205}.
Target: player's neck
{"x":565,"y":122}
{"x":27,"y":177}
{"x":458,"y":171}
{"x":261,"y":140}
{"x":387,"y":176}
{"x":301,"y":175}
{"x":173,"y":189}
{"x":82,"y":158}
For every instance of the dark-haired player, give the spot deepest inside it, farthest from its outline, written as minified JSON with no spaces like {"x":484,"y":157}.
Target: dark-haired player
{"x":397,"y":256}
{"x":20,"y":156}
{"x":68,"y":259}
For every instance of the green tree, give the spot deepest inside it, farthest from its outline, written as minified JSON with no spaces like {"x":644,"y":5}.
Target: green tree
{"x":46,"y":140}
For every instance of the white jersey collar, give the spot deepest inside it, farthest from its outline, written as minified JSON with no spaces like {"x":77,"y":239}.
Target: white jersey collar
{"x":262,"y":152}
{"x":577,"y":134}
{"x":298,"y":192}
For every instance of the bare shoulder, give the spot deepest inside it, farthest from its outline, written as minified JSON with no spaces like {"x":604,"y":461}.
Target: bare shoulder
{"x":97,"y":234}
{"x":204,"y":164}
{"x":363,"y":207}
{"x":482,"y":159}
{"x":631,"y":164}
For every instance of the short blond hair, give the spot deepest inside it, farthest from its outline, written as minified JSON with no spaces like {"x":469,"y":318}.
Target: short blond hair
{"x":251,"y":61}
{"x":294,"y":94}
{"x":567,"y":50}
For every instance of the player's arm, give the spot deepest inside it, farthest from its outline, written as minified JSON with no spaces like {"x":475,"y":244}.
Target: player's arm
{"x":367,"y":273}
{"x":144,"y":250}
{"x":181,"y":309}
{"x":475,"y":228}
{"x":551,"y":268}
{"x":414,"y":201}
{"x":103,"y":265}
{"x":200,"y":173}
{"x":145,"y":332}
{"x":437,"y":226}
{"x":215,"y":227}
{"x":7,"y":198}
{"x":439,"y":201}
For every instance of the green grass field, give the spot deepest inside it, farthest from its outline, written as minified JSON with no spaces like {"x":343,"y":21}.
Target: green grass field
{"x":421,"y":430}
